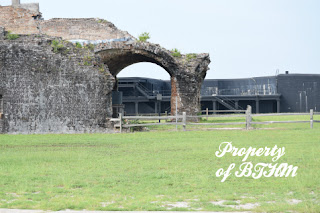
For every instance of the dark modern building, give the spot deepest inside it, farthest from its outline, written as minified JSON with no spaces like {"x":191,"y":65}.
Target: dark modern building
{"x":281,"y":93}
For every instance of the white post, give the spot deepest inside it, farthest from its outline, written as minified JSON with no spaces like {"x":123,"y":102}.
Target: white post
{"x":176,"y":113}
{"x":120,"y":122}
{"x":311,"y":118}
{"x":248,"y":117}
{"x":184,"y":120}
{"x":207,"y":113}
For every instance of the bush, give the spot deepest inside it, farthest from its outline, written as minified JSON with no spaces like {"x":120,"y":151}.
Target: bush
{"x":144,"y":37}
{"x":176,"y":53}
{"x":191,"y":56}
{"x":11,"y":36}
{"x":103,"y":21}
{"x":78,"y":45}
{"x":57,"y":46}
{"x":87,"y":60}
{"x":136,"y":128}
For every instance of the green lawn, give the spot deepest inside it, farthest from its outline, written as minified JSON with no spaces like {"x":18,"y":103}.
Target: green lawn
{"x":156,"y":171}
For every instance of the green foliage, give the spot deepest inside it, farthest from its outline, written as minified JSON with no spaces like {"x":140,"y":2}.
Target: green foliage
{"x":57,"y":46}
{"x":101,"y":68}
{"x":175,"y":53}
{"x":11,"y":36}
{"x":136,"y":128}
{"x":87,"y":60}
{"x":103,"y":21}
{"x":66,"y":51}
{"x":78,"y":45}
{"x":90,"y":47}
{"x":191,"y":56}
{"x":143,"y":37}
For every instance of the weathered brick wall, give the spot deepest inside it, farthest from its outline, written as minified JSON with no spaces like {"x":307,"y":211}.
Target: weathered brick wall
{"x":18,"y":20}
{"x":89,"y":29}
{"x":21,"y":21}
{"x":47,"y":92}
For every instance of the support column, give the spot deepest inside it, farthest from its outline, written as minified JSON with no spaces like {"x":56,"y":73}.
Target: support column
{"x":237,"y":105}
{"x":186,"y":81}
{"x":155,"y":107}
{"x":257,"y":106}
{"x":185,"y":88}
{"x":278,"y":106}
{"x":214,"y":106}
{"x":136,"y":108}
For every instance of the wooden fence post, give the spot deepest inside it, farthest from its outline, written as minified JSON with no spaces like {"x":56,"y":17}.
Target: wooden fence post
{"x":120,"y":122}
{"x":248,"y":117}
{"x":311,"y":118}
{"x":207,"y":113}
{"x":184,"y":120}
{"x":177,"y":112}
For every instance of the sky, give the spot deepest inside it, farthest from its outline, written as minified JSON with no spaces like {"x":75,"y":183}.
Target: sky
{"x":245,"y":38}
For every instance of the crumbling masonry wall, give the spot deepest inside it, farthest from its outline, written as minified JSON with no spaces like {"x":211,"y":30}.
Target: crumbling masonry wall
{"x":187,"y":73}
{"x":18,"y":20}
{"x":85,"y":28}
{"x":22,"y":21}
{"x":47,"y":92}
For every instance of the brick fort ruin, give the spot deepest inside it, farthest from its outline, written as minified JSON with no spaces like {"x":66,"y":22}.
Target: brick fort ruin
{"x":49,"y":85}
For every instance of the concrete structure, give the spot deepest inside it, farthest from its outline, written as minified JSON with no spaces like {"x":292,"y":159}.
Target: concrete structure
{"x":300,"y":92}
{"x":49,"y":85}
{"x":281,"y":93}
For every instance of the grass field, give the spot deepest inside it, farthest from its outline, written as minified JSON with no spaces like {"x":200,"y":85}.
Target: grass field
{"x":157,"y":170}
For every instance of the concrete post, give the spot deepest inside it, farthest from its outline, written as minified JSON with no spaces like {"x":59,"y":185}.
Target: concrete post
{"x":155,"y":107}
{"x":137,"y":108}
{"x":248,"y":117}
{"x":120,"y":122}
{"x":278,"y":106}
{"x":207,"y":113}
{"x":184,"y":121}
{"x":15,"y":2}
{"x":214,"y":106}
{"x":311,"y":118}
{"x":257,"y":106}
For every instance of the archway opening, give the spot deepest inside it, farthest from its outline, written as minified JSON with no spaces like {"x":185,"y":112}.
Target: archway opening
{"x":142,"y":89}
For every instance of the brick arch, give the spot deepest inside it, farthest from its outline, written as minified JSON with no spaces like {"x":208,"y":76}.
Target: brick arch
{"x":187,"y":74}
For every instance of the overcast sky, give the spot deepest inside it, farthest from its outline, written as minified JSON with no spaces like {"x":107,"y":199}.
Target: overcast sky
{"x":245,"y":38}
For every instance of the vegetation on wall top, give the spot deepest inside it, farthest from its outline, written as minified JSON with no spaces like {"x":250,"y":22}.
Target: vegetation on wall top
{"x":143,"y":37}
{"x":11,"y":36}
